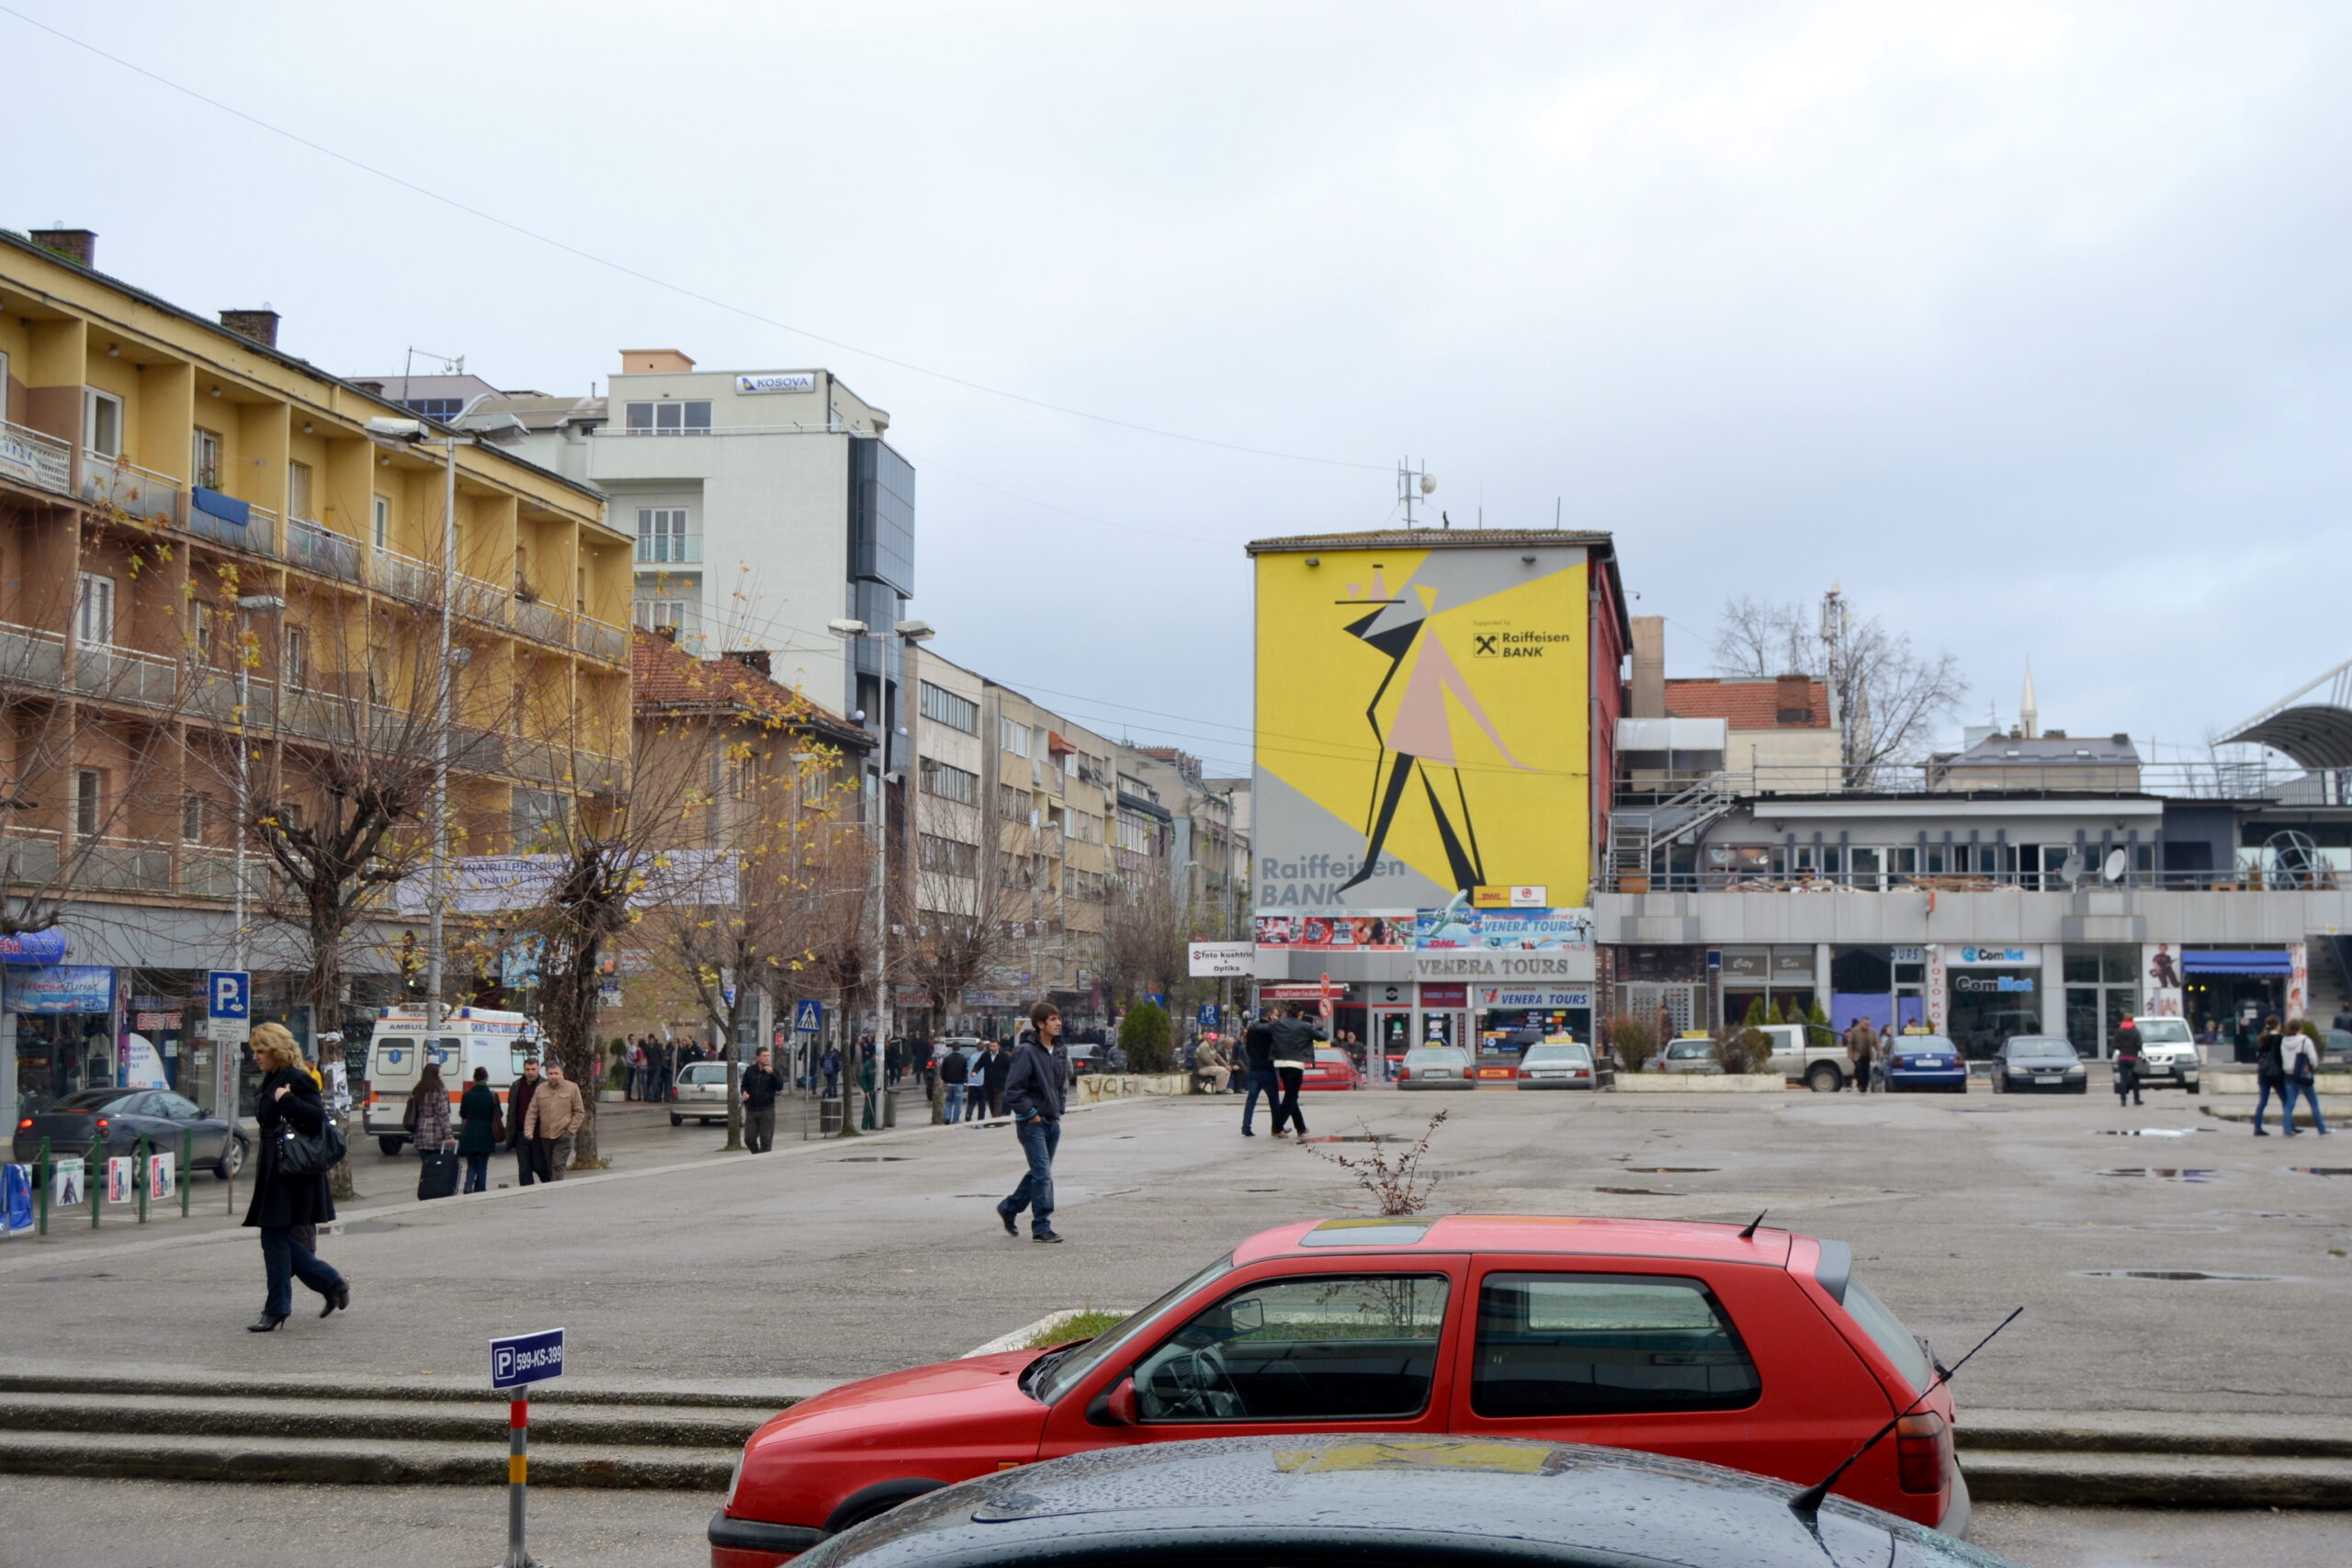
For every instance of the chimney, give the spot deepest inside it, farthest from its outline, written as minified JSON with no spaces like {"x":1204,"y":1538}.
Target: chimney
{"x":259,"y":325}
{"x":1649,"y":668}
{"x":653,"y":361}
{"x":755,"y":659}
{"x":1793,"y":699}
{"x":79,"y":247}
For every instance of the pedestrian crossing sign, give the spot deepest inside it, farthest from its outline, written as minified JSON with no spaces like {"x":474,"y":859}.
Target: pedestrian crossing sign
{"x":807,"y":1016}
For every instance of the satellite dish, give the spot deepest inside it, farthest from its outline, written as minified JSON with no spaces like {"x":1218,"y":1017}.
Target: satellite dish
{"x":2113,"y":869}
{"x":1428,"y":484}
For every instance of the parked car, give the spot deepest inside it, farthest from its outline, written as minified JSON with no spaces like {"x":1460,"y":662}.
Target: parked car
{"x":1810,"y":1054}
{"x":116,"y":1119}
{"x":2169,"y":1053}
{"x":1349,"y":1499}
{"x":2038,"y":1061}
{"x":1084,"y":1058}
{"x":1332,"y":1068}
{"x":1927,"y":1063}
{"x":1435,"y":1066}
{"x":1557,"y":1064}
{"x":962,"y":1045}
{"x":701,"y":1093}
{"x":2335,"y":1049}
{"x":1758,"y":1349}
{"x":1687,"y":1056}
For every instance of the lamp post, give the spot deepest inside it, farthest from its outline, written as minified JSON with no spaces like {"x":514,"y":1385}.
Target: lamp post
{"x":849,"y":629}
{"x":247,"y":606}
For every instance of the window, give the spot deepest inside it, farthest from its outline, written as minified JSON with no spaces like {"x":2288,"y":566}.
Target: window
{"x":192,"y":818}
{"x":1886,"y":1330}
{"x":950,"y":857}
{"x":661,"y":535}
{"x":1332,"y":1348}
{"x":295,"y":671}
{"x":950,"y":783}
{"x":1084,"y":826}
{"x":1605,"y":1345}
{"x":93,"y":611}
{"x":1012,"y":805}
{"x":943,"y":706}
{"x":654,"y":613}
{"x":89,"y":801}
{"x":204,"y":613}
{"x":442,"y":409}
{"x":381,"y":532}
{"x":102,"y":424}
{"x":667,"y":418}
{"x":208,"y":458}
{"x":1013,"y":737}
{"x":298,"y":491}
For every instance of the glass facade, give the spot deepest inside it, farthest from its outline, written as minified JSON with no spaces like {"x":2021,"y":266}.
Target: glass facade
{"x":2102,"y":984}
{"x":881,"y":515}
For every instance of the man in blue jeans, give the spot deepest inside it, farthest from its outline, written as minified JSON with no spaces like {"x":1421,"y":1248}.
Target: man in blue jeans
{"x":1033,"y":1098}
{"x":1258,"y":1070}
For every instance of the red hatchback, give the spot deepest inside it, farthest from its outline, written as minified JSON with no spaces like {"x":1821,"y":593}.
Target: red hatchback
{"x":1332,"y":1068}
{"x":1759,"y":1352}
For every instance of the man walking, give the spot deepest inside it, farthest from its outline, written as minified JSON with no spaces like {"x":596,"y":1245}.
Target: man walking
{"x":557,"y":1113}
{"x":1296,"y":1038}
{"x":831,"y":1067}
{"x":2127,"y":1063}
{"x":1033,"y":1092}
{"x":1258,"y":1066}
{"x":1861,"y":1045}
{"x":952,"y":1070}
{"x":518,"y":1105}
{"x":761,"y":1086}
{"x":995,"y":1072}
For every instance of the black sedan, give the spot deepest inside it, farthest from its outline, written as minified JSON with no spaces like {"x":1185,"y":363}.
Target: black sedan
{"x":119,"y":1116}
{"x":1377,"y":1502}
{"x":2029,"y":1062}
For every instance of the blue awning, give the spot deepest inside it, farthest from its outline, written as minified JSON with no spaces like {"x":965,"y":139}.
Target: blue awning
{"x":227,"y":508}
{"x":2255,"y":961}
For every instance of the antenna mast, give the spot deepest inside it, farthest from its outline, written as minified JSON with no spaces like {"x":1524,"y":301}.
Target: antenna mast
{"x":1413,"y":485}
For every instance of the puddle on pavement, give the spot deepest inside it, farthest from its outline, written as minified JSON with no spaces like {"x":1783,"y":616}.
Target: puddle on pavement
{"x":2149,"y":1131}
{"x":1640,"y":1193}
{"x":2320,"y":1169}
{"x":2260,"y":1214}
{"x":1354,"y":1138}
{"x":2127,"y":1225}
{"x":874,"y":1159}
{"x":2180,"y":1275}
{"x":1671,"y":1170}
{"x":2158,"y":1173}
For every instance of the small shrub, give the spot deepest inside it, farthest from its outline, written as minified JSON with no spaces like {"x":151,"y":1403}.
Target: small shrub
{"x":1633,"y":1041}
{"x":1144,"y":1036}
{"x":1757,"y":1018}
{"x":1397,"y":1186}
{"x":1743,"y":1050}
{"x":1086,"y":1324}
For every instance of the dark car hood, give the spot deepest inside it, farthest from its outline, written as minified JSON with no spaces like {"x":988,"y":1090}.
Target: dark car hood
{"x":1381,"y":1488}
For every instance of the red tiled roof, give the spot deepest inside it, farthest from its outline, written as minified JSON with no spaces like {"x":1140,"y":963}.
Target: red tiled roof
{"x":1746,"y":703}
{"x":666,"y":675}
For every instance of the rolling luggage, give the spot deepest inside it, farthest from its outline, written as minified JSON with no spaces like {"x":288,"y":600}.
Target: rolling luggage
{"x":440,"y":1178}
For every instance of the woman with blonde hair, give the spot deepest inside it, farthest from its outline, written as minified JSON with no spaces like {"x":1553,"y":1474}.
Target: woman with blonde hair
{"x":288,"y":1102}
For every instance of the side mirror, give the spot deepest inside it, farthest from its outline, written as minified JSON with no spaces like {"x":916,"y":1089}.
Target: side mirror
{"x":1115,"y":1406}
{"x":1247,"y":1315}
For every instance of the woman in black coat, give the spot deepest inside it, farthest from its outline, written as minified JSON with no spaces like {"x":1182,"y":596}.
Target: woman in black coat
{"x":288,"y":1097}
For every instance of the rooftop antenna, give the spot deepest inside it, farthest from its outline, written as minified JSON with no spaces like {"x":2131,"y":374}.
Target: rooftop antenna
{"x":1749,"y":1234}
{"x":1556,"y":513}
{"x":1413,"y":485}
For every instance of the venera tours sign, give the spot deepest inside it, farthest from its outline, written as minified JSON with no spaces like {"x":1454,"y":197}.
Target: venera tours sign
{"x":1502,"y":966}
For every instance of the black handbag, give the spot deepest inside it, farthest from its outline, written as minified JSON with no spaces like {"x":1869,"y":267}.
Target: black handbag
{"x":310,"y":1154}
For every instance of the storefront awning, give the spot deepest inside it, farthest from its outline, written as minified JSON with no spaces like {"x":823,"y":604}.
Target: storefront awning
{"x":2258,"y":961}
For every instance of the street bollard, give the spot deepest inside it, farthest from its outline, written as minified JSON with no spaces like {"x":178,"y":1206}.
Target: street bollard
{"x":139,"y":1174}
{"x":518,"y":1468}
{"x":41,"y":1225}
{"x":188,"y":1152}
{"x":93,"y":1180}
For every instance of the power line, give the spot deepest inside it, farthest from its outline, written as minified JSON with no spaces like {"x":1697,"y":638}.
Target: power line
{"x":678,"y":289}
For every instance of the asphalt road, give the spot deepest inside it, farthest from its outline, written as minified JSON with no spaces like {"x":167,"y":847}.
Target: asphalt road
{"x":105,"y":1524}
{"x":834,"y":1261}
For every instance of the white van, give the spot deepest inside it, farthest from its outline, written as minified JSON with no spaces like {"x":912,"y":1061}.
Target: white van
{"x":468,"y":1038}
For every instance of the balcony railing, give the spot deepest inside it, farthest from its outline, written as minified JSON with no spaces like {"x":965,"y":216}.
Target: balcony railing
{"x":32,"y":657}
{"x":669,"y":549}
{"x":124,"y":485}
{"x":1992,"y":775}
{"x":479,"y":601}
{"x":323,"y":551}
{"x":126,"y":675}
{"x":36,"y":459}
{"x":601,"y":639}
{"x":258,"y":532}
{"x":542,"y":622}
{"x":406,"y":576}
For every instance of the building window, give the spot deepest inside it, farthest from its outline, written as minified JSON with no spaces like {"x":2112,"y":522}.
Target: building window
{"x":1013,"y":737}
{"x":668,"y":418}
{"x":442,"y":409}
{"x":296,"y":670}
{"x":654,"y":613}
{"x":949,"y":857}
{"x":1012,"y":805}
{"x":103,"y":422}
{"x":661,"y":535}
{"x":943,"y":706}
{"x":298,"y":491}
{"x":93,"y":611}
{"x":382,"y":529}
{"x":89,"y":800}
{"x":208,"y":458}
{"x":192,"y":819}
{"x":949,"y":783}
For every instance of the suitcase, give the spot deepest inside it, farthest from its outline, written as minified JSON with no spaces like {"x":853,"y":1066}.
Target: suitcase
{"x":440,"y":1178}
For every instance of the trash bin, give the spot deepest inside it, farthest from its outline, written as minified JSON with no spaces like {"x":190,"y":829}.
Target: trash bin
{"x":890,"y":1108}
{"x":829,"y":1117}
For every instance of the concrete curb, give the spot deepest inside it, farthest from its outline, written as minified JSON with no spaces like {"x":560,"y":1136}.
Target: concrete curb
{"x":1026,"y":1332}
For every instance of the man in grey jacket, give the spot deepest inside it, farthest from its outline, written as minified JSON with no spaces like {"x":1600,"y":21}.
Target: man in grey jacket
{"x":1032,"y":1097}
{"x":1296,"y":1038}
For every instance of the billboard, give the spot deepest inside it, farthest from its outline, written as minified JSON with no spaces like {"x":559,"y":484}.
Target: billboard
{"x":1422,"y":725}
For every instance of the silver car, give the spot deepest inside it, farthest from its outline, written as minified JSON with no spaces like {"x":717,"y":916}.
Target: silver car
{"x":1436,"y":1066}
{"x":701,"y":1094}
{"x":2169,"y":1053}
{"x":1688,"y":1056}
{"x":1562,"y":1066}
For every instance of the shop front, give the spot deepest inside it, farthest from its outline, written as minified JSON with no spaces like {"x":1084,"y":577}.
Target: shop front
{"x":2102,"y":981}
{"x":1781,"y":977}
{"x":1989,"y":994}
{"x":1888,"y":986}
{"x":1504,"y":1011}
{"x":64,"y":1017}
{"x":1442,"y":1009}
{"x":2225,"y":987}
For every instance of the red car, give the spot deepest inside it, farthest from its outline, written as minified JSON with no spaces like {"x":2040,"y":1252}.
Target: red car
{"x":1332,"y":1068}
{"x":1759,"y":1352}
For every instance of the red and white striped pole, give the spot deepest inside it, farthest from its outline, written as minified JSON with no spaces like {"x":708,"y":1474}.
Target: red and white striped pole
{"x":518,"y":1469}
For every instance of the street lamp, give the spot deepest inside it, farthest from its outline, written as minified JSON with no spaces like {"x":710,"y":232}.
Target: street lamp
{"x":248,"y":605}
{"x":848,"y":628}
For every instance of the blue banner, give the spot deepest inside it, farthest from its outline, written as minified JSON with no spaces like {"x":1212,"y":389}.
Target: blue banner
{"x":16,"y":1199}
{"x":34,"y":947}
{"x":61,"y":988}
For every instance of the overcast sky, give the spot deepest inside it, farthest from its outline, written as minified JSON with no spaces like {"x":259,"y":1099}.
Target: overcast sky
{"x":2026,"y":324}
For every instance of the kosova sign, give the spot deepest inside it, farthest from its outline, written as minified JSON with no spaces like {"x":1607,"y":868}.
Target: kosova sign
{"x":1422,"y":723}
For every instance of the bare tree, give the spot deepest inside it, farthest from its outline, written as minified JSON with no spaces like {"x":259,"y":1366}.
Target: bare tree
{"x":1144,"y":929}
{"x":971,"y":893}
{"x":1887,"y":699}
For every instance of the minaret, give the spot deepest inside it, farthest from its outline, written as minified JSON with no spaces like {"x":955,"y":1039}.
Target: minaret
{"x":2029,"y":715}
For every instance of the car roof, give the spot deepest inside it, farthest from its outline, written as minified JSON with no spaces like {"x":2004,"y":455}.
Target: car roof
{"x":1572,"y":1236}
{"x":1382,"y":1494}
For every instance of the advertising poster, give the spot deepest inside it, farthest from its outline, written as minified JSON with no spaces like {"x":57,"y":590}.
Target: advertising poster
{"x":143,"y":1065}
{"x":1458,"y":929}
{"x":1332,"y":932}
{"x":16,"y":1199}
{"x":66,"y":1183}
{"x":118,"y":1178}
{"x":61,"y":988}
{"x":2160,"y":990}
{"x":1422,"y":725}
{"x":160,"y":1175}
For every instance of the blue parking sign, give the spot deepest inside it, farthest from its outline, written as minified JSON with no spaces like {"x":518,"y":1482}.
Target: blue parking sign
{"x":521,"y":1359}
{"x":228,"y":993}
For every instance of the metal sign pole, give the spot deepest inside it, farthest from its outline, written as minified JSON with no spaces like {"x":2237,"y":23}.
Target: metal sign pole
{"x":517,"y":1361}
{"x":518,"y":1466}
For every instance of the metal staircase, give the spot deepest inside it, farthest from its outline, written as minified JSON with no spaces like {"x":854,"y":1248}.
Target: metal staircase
{"x":1638,"y":832}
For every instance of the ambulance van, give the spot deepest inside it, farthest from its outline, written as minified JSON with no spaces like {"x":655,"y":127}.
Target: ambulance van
{"x":469,"y":1037}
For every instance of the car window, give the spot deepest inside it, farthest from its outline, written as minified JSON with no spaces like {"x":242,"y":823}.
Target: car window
{"x":138,"y":1105}
{"x":92,"y":1100}
{"x":2165,"y":1031}
{"x":177,"y":1108}
{"x":706,"y":1072}
{"x":518,"y":1054}
{"x":1604,"y":1345}
{"x":2041,"y":1050}
{"x":1886,"y":1331}
{"x":1691,"y":1051}
{"x":1331,"y":1348}
{"x":1570,"y":1054}
{"x":1073,"y":1368}
{"x":1330,"y":1055}
{"x":442,"y":1050}
{"x":395,"y":1055}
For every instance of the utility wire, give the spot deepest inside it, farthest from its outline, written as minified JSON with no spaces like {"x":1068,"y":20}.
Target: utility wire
{"x":678,"y":289}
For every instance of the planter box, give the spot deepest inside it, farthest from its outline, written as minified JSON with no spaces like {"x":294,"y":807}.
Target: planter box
{"x":1095,"y":1086}
{"x":2241,"y":1081}
{"x":611,"y":1096}
{"x":1700,"y":1083}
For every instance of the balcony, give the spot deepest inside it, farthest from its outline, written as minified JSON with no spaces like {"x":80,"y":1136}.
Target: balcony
{"x":542,"y":622}
{"x":406,"y":576}
{"x":601,"y":639}
{"x":36,"y":459}
{"x":126,"y":675}
{"x":32,"y":658}
{"x":124,"y":486}
{"x":479,"y":600}
{"x":225,"y":520}
{"x":669,"y":549}
{"x":320,"y":550}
